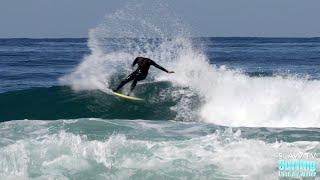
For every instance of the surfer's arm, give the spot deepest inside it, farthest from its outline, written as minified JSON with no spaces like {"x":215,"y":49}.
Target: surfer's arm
{"x":159,"y":67}
{"x":134,"y":62}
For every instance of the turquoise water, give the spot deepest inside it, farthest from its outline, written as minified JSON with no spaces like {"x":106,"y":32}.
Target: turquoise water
{"x":143,"y":149}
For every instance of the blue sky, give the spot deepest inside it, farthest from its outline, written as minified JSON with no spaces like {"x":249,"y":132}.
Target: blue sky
{"x":73,"y":18}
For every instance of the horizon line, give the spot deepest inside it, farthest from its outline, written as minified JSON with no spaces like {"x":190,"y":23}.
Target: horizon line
{"x":297,"y":37}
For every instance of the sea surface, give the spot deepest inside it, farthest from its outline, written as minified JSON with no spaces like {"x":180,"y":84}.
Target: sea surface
{"x":233,"y":105}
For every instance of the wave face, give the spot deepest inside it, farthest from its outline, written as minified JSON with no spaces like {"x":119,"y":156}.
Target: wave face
{"x":228,"y":97}
{"x":87,"y":149}
{"x":61,"y":102}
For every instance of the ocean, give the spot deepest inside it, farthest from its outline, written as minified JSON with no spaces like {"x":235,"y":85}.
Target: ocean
{"x":235,"y":108}
{"x":233,"y":105}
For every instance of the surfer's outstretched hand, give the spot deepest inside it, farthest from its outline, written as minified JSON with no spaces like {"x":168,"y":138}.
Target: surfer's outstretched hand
{"x":170,"y":71}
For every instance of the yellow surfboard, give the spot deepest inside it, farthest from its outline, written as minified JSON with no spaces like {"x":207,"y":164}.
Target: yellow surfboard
{"x":127,"y":97}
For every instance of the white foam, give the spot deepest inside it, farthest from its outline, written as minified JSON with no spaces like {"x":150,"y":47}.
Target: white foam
{"x":234,"y":99}
{"x":14,"y":161}
{"x":222,"y":154}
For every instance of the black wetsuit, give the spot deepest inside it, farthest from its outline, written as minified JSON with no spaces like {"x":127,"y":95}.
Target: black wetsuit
{"x":140,"y":73}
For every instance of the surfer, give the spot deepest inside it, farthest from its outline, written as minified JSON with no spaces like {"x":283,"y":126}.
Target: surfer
{"x":140,"y":73}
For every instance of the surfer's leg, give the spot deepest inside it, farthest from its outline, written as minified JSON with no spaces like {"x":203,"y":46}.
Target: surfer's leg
{"x":125,"y":81}
{"x":133,"y":85}
{"x":137,"y":78}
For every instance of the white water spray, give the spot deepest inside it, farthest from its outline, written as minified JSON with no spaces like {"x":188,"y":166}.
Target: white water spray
{"x":229,"y":97}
